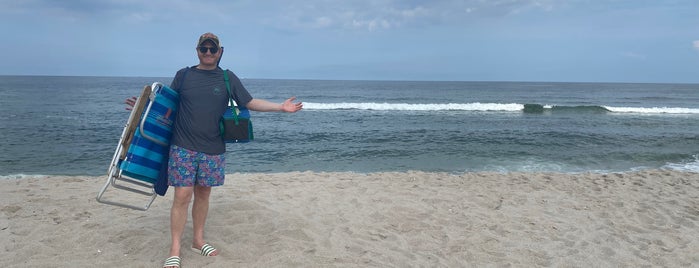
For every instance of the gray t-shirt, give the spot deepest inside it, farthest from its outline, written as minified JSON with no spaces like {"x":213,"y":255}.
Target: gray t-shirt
{"x":203,"y":99}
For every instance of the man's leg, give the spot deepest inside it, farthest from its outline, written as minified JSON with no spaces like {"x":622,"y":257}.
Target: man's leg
{"x":178,"y":217}
{"x":210,"y":173}
{"x":200,"y":210}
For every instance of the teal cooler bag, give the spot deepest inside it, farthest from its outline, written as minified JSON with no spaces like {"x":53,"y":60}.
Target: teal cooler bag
{"x":236,"y":126}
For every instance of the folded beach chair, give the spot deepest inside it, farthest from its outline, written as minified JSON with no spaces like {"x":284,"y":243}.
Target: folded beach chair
{"x":141,"y":155}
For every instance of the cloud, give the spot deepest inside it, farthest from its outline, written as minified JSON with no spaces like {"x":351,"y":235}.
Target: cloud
{"x":696,"y":44}
{"x":390,"y":14}
{"x":376,"y":15}
{"x":386,"y":18}
{"x":633,"y":55}
{"x":498,"y":8}
{"x":128,"y":11}
{"x":369,"y":15}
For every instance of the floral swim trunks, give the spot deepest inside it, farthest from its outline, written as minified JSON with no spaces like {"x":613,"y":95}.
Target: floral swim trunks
{"x":187,"y":167}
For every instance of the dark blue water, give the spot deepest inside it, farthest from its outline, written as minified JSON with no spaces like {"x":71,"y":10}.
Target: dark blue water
{"x":71,"y":125}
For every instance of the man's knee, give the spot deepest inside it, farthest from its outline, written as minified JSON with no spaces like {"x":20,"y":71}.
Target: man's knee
{"x":182,"y":195}
{"x":202,"y":192}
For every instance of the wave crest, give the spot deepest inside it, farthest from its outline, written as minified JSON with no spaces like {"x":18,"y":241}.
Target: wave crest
{"x":495,"y":107}
{"x":476,"y":106}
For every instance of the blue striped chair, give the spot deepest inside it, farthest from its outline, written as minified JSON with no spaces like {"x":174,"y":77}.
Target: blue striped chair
{"x":142,"y":151}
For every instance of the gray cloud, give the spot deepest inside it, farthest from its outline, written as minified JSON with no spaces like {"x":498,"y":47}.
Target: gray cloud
{"x":119,"y":10}
{"x":390,"y":14}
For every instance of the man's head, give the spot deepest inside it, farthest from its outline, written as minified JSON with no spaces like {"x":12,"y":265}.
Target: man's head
{"x":209,"y":51}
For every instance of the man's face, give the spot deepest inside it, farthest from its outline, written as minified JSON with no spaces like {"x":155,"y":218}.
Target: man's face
{"x":206,"y":57}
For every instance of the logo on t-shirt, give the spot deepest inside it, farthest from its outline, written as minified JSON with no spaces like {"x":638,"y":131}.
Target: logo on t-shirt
{"x":217,"y":91}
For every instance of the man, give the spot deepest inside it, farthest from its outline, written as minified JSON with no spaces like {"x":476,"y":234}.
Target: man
{"x":197,"y":150}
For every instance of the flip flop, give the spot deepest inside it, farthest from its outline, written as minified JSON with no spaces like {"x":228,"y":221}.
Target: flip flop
{"x":205,"y":250}
{"x":173,"y":261}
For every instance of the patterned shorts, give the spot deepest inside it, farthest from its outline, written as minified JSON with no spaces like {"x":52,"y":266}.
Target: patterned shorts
{"x":187,"y":167}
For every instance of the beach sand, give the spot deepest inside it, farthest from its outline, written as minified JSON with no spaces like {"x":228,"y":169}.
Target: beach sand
{"x":410,"y":219}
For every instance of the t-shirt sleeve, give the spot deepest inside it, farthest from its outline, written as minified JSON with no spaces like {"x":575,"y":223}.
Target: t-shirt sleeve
{"x":240,"y":91}
{"x":175,"y":84}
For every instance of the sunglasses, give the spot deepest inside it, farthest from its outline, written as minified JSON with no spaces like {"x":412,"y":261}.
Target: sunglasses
{"x":203,"y":50}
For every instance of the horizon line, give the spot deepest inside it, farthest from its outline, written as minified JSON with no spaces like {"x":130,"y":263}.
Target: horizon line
{"x":376,"y":80}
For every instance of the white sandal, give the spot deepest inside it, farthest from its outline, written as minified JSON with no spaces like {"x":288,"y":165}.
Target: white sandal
{"x":173,"y":261}
{"x":205,"y":250}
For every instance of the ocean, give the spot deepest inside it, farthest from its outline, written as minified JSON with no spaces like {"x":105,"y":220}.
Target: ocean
{"x":52,"y":125}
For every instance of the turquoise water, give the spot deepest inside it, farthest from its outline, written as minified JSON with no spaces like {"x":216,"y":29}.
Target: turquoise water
{"x":71,"y":125}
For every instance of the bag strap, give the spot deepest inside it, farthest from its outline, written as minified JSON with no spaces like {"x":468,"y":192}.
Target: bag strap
{"x":232,"y":103}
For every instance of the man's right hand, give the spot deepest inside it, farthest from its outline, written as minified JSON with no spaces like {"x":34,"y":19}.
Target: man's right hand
{"x":130,"y":102}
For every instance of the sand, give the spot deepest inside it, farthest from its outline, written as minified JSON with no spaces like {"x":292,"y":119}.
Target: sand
{"x":410,"y":219}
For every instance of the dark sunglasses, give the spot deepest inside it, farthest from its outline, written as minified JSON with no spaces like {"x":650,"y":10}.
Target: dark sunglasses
{"x":203,"y":50}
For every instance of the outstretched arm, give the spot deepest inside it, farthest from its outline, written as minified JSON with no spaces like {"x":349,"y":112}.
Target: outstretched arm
{"x":288,"y":106}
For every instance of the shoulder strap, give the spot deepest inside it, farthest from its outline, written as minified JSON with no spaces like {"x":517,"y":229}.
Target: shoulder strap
{"x":230,"y":96}
{"x":228,"y":88}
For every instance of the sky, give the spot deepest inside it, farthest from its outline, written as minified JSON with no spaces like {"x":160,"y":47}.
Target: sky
{"x":643,"y":41}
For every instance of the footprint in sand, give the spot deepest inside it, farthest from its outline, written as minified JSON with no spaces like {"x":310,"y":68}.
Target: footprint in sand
{"x":11,"y":209}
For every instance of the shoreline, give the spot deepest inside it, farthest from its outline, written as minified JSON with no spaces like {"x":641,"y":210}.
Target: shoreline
{"x":678,"y":168}
{"x":387,"y":219}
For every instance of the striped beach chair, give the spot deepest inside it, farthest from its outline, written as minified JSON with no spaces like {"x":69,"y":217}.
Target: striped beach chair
{"x":142,"y":152}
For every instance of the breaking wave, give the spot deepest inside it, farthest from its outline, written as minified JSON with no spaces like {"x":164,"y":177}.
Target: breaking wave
{"x":494,"y":107}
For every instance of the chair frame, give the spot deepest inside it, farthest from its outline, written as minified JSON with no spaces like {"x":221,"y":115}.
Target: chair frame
{"x":116,"y":178}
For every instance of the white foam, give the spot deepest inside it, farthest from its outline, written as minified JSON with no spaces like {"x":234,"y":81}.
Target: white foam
{"x":653,"y":110}
{"x":21,"y":176}
{"x":687,"y":167}
{"x":476,"y":106}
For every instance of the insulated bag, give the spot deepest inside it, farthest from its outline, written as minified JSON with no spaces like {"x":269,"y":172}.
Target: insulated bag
{"x":236,"y":126}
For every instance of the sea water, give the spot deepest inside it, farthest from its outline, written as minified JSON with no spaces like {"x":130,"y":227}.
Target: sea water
{"x":71,"y":125}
